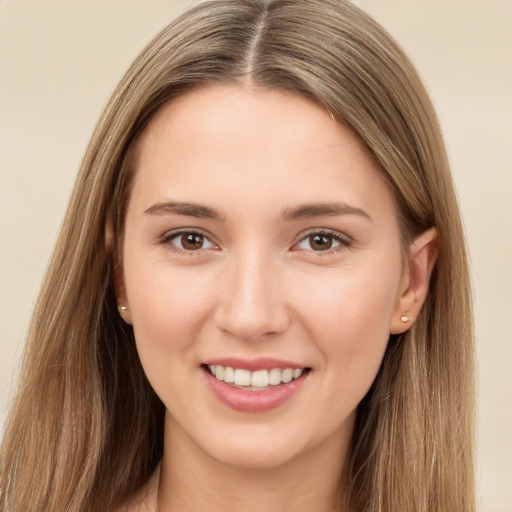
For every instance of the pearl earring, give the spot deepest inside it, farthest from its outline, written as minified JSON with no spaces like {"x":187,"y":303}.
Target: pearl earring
{"x":404,"y":318}
{"x":121,"y":309}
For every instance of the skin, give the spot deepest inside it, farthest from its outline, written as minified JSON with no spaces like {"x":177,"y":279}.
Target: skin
{"x":257,"y":285}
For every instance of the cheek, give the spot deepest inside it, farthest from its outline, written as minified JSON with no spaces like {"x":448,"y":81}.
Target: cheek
{"x":167,"y":310}
{"x":348,"y":317}
{"x":349,"y":301}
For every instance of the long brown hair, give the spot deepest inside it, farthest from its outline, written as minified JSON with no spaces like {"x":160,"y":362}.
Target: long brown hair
{"x":86,"y":429}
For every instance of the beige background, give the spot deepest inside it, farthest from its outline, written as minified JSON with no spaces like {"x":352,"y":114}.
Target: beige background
{"x":59,"y":61}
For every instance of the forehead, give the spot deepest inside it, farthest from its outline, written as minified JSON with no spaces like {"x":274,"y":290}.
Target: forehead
{"x":254,"y":144}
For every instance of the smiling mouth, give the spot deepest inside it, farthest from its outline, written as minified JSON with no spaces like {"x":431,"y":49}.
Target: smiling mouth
{"x":259,"y":380}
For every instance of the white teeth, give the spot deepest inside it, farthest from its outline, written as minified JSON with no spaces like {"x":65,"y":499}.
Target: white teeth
{"x":287,"y":375}
{"x":229,"y":374}
{"x":274,"y":376}
{"x":219,"y":372}
{"x":242,"y":377}
{"x":258,"y":379}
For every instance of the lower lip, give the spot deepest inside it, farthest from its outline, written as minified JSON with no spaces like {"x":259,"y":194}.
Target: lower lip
{"x":253,"y":401}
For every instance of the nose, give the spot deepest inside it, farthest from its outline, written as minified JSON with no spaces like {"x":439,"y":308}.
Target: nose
{"x":252,"y":303}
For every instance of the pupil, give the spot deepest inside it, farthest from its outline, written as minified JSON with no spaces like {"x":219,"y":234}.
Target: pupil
{"x":321,"y":242}
{"x":192,"y":241}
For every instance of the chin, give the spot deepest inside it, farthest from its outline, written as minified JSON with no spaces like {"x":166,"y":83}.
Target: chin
{"x":269,"y":447}
{"x":256,"y":457}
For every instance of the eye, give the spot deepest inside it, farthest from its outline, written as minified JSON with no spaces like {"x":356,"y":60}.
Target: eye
{"x":189,"y":241}
{"x":323,"y":241}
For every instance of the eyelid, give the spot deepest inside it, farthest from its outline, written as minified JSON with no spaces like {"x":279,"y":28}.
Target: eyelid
{"x":344,"y":240}
{"x":169,"y":235}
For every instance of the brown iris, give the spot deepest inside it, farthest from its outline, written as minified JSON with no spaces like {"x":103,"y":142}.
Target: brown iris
{"x":192,"y":241}
{"x":320,"y":242}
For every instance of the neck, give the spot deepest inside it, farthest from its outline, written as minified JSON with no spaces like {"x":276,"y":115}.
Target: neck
{"x":192,"y":481}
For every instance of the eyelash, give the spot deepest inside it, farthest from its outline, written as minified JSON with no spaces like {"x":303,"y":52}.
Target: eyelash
{"x":168,"y":238}
{"x":343,"y":241}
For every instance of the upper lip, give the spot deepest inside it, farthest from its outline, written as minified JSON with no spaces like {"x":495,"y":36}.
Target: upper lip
{"x":260,"y":363}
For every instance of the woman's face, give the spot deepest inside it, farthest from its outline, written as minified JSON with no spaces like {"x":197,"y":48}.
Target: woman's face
{"x":262,"y":245}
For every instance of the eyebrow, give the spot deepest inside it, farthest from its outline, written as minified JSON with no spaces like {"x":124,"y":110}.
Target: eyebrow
{"x":308,"y":211}
{"x":187,"y":209}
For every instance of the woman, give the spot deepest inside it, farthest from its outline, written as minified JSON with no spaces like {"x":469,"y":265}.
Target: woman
{"x":259,"y":298}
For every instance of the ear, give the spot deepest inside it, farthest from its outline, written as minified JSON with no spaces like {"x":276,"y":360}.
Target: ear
{"x":117,"y":272}
{"x":415,"y":281}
